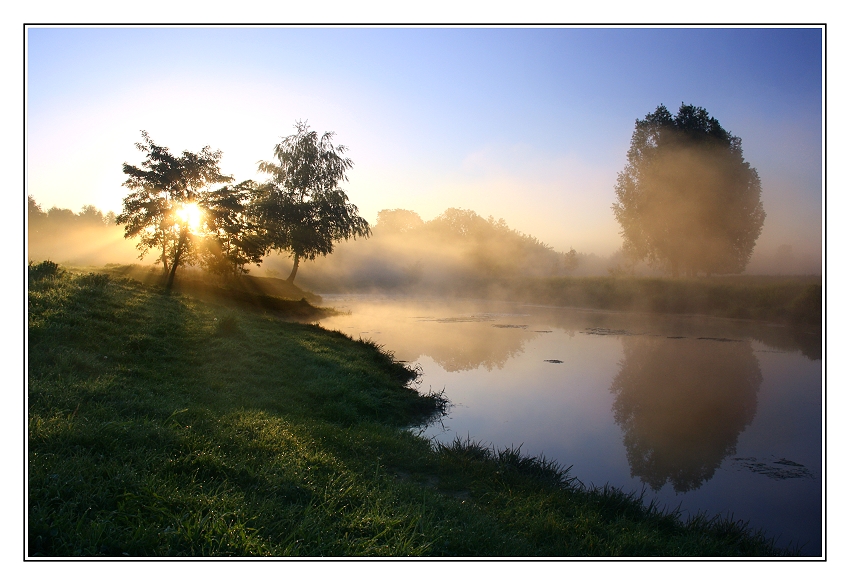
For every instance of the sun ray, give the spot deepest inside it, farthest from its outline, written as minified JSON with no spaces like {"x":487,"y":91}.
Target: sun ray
{"x":191,"y":215}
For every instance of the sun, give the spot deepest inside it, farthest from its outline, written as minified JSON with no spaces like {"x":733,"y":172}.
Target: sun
{"x":190,"y":215}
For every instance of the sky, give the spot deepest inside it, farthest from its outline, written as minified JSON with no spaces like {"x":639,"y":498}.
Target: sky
{"x":529,"y":124}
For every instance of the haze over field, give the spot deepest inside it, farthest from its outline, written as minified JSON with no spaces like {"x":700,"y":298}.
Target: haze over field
{"x":527,"y":124}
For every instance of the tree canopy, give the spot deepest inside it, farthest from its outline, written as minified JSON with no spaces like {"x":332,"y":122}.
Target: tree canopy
{"x":183,"y":206}
{"x":165,"y":199}
{"x":687,"y":200}
{"x":232,"y":236}
{"x":302,"y":209}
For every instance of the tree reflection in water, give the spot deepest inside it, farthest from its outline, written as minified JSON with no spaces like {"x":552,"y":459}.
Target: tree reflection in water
{"x":681,"y":404}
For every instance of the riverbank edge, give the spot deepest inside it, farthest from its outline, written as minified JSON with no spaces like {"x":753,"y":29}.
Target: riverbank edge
{"x":133,"y":454}
{"x":790,"y":300}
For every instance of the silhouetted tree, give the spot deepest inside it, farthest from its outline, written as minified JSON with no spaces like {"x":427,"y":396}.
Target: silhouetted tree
{"x":233,"y":237}
{"x":91,"y":215}
{"x":61,"y":218}
{"x":303,"y":210}
{"x":35,"y":216}
{"x":687,"y":200}
{"x":163,"y":186}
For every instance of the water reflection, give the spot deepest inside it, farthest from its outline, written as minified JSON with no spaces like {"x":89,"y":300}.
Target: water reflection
{"x":681,"y":404}
{"x":465,"y":336}
{"x":467,"y":343}
{"x":554,"y":379}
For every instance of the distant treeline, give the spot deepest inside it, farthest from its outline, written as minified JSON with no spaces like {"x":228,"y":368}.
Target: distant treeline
{"x":456,"y":250}
{"x":89,"y":237}
{"x":451,"y":251}
{"x":56,"y":217}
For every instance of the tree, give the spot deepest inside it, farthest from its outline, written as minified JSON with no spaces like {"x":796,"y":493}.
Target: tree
{"x":233,"y":238}
{"x":398,"y":221}
{"x":91,"y":215}
{"x":302,"y":209}
{"x":162,"y":208}
{"x":35,"y":215}
{"x":686,"y":200}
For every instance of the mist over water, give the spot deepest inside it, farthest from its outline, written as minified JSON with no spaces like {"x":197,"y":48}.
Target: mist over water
{"x":439,"y":258}
{"x":714,"y":415}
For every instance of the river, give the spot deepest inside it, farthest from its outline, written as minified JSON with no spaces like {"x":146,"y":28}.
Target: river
{"x":708,"y":415}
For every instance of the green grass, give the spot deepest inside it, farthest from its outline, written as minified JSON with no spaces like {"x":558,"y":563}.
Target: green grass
{"x":160,"y":425}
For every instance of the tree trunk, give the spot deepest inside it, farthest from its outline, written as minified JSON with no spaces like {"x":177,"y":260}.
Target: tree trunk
{"x":164,"y":256}
{"x":179,"y":252}
{"x":291,"y":277}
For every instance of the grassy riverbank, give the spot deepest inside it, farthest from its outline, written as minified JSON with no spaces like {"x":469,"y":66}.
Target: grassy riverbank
{"x":792,"y":300}
{"x":161,"y":425}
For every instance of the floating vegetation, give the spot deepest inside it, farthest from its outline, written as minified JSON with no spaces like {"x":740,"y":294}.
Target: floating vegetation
{"x":511,"y":326}
{"x":470,"y":319}
{"x":780,"y":469}
{"x":605,"y":331}
{"x":554,"y":361}
{"x":543,"y":331}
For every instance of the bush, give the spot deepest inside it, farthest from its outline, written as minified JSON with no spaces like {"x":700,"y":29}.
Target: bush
{"x":92,"y":281}
{"x":42,"y":270}
{"x":807,"y":308}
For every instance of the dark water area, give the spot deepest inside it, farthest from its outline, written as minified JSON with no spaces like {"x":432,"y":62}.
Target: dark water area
{"x":706,"y":415}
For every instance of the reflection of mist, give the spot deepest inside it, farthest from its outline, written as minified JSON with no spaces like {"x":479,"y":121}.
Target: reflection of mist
{"x":459,"y":348}
{"x":455,"y":341}
{"x":681,"y":404}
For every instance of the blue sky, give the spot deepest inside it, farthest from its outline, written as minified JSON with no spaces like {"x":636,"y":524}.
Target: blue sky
{"x":528,"y":124}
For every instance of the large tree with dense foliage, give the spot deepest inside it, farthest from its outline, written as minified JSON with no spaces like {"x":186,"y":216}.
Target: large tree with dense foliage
{"x":686,"y":200}
{"x":302,"y":209}
{"x":162,"y":208}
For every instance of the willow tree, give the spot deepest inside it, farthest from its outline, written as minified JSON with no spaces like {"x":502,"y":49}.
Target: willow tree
{"x":162,"y":207}
{"x":687,"y":201}
{"x":302,"y":209}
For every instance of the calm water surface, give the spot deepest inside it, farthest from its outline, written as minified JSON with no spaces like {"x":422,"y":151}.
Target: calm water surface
{"x":710,"y":415}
